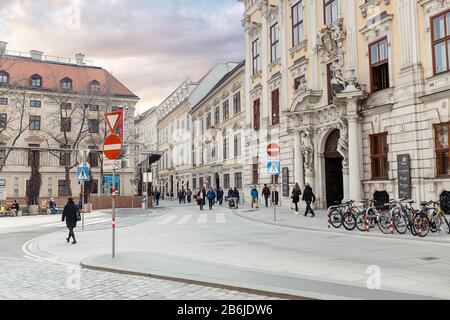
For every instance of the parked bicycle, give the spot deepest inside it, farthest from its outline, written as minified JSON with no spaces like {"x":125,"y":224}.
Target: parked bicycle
{"x":438,"y":219}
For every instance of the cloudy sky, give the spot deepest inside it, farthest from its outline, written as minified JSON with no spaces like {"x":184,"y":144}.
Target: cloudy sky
{"x":150,"y":45}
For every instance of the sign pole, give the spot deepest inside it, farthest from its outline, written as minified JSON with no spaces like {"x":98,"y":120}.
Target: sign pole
{"x":114,"y":213}
{"x":82,"y":192}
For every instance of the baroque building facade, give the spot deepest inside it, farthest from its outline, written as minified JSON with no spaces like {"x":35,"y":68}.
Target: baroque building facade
{"x":356,"y":93}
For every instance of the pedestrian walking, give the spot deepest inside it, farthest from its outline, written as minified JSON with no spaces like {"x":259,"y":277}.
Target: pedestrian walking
{"x":157,"y":197}
{"x":211,"y":195}
{"x":52,"y":205}
{"x":189,"y":196}
{"x":15,"y":207}
{"x":266,"y":194}
{"x":275,"y":197}
{"x":201,"y":199}
{"x":296,"y":193}
{"x":309,"y":198}
{"x":255,"y":197}
{"x":220,"y":196}
{"x":71,"y":216}
{"x":236,"y":196}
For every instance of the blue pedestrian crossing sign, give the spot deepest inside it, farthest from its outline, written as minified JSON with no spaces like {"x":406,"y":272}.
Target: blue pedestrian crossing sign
{"x":83,"y":174}
{"x":274,"y":167}
{"x":144,"y":199}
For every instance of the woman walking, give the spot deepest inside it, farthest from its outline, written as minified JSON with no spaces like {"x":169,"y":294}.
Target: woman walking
{"x":296,"y":193}
{"x":200,"y":199}
{"x":70,"y":215}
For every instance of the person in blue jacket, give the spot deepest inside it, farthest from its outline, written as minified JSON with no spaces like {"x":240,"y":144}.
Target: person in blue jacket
{"x":255,"y":197}
{"x":211,"y":195}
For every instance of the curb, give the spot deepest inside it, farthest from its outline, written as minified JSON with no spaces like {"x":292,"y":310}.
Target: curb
{"x":261,"y":292}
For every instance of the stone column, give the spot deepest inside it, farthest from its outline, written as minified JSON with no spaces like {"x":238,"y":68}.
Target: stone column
{"x":310,"y":14}
{"x":354,"y":141}
{"x":298,"y":161}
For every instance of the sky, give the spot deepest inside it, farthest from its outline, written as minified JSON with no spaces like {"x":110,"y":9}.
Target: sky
{"x":152,"y":46}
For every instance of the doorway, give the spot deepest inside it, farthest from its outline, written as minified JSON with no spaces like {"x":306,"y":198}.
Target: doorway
{"x":217,"y":178}
{"x":334,"y":170}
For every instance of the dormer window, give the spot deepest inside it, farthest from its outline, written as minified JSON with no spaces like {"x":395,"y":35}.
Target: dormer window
{"x":94,"y":86}
{"x":4,"y":78}
{"x":66,"y":84}
{"x":36,"y":81}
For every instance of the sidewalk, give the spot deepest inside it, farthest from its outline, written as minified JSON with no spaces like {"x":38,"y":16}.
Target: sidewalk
{"x":287,"y":218}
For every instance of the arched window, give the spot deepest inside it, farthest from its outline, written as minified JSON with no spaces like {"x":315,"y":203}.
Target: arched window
{"x":66,"y":84}
{"x":36,"y":81}
{"x":94,"y":86}
{"x":4,"y":78}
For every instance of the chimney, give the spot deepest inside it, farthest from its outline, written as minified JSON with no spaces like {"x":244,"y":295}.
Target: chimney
{"x":80,"y":58}
{"x":3,"y":47}
{"x":36,"y":55}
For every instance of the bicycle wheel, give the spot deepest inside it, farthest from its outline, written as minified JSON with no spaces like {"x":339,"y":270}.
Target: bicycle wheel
{"x":435,"y":221}
{"x":421,"y":226}
{"x":335,"y":217}
{"x":384,"y":222}
{"x":400,"y":223}
{"x":349,"y":220}
{"x":445,"y":225}
{"x":361,"y":221}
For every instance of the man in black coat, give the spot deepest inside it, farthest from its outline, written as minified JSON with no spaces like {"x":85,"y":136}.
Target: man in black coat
{"x":309,"y":197}
{"x":220,"y":196}
{"x":70,"y":214}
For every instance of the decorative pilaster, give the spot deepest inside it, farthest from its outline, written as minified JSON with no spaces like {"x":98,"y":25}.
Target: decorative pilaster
{"x":298,"y":160}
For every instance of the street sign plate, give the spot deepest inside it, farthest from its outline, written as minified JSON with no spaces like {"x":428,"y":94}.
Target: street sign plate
{"x":112,"y":147}
{"x":274,"y":167}
{"x":273,"y":150}
{"x":113,"y":119}
{"x":83,"y":174}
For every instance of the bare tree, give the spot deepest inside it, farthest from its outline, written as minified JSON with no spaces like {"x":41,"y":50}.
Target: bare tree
{"x":68,"y":126}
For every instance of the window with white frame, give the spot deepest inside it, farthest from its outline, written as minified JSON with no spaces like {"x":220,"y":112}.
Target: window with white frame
{"x":298,"y":31}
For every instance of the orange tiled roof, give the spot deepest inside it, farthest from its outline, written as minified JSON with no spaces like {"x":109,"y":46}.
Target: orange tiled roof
{"x":21,"y":69}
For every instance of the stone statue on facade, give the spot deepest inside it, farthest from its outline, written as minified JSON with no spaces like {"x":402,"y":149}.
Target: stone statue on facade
{"x":308,"y":150}
{"x":343,"y":141}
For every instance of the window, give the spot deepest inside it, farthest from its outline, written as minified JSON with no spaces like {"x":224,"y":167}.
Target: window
{"x":2,"y":153}
{"x":63,"y":188}
{"x":274,"y":180}
{"x":298,"y":32}
{"x":442,"y":148}
{"x":66,"y":125}
{"x":94,"y":86}
{"x":441,"y":42}
{"x":94,"y":126}
{"x":299,"y":81}
{"x":66,"y":106}
{"x":50,"y":187}
{"x":237,"y":103}
{"x":379,"y":65}
{"x":64,"y":157}
{"x":35,"y":123}
{"x":275,"y":42}
{"x":35,"y":104}
{"x":33,"y":155}
{"x":237,"y":145}
{"x":256,"y":117}
{"x":255,"y":174}
{"x":208,"y":121}
{"x":225,"y":148}
{"x":379,"y":156}
{"x":4,"y":78}
{"x":238,"y":180}
{"x":93,"y":107}
{"x":331,"y":11}
{"x":276,"y":107}
{"x":3,"y":120}
{"x":226,"y":181}
{"x":3,"y":101}
{"x":36,"y":81}
{"x":217,"y":115}
{"x":93,"y":157}
{"x":66,"y":84}
{"x":226,"y":110}
{"x":256,"y":56}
